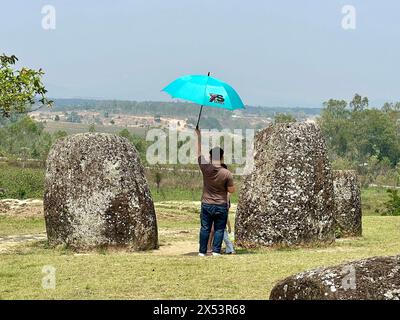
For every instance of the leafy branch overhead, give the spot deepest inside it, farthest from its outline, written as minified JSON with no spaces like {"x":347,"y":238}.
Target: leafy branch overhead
{"x":19,"y":89}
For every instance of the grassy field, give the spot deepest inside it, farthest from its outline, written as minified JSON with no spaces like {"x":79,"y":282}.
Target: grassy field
{"x":174,"y":271}
{"x":373,"y":200}
{"x":24,"y":183}
{"x":10,"y":225}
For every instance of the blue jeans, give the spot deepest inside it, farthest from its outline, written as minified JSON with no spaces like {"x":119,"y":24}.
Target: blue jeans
{"x":216,"y":214}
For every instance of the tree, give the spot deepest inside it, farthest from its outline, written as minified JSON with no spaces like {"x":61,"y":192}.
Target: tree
{"x":387,"y":107}
{"x":139,"y":143}
{"x":393,"y":204}
{"x":74,"y":117}
{"x":359,"y":134}
{"x":92,"y":128}
{"x":284,"y":118}
{"x":19,"y":89}
{"x":335,"y":125}
{"x":374,"y":133}
{"x":359,"y":103}
{"x":57,"y":118}
{"x":27,"y":136}
{"x":60,"y":134}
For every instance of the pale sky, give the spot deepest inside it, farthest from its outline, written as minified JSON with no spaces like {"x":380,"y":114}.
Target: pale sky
{"x":274,"y":53}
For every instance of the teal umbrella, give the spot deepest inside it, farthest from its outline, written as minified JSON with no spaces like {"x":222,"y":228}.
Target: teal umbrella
{"x":205,"y":91}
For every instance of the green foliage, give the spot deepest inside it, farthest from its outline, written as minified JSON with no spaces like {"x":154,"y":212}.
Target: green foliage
{"x":25,"y":138}
{"x":19,"y":88}
{"x":334,"y":124}
{"x":284,"y":118}
{"x":358,"y":133}
{"x":139,"y":143}
{"x":393,"y":205}
{"x":375,"y":134}
{"x":92,"y":128}
{"x":359,"y":103}
{"x":340,"y":163}
{"x":21,"y":183}
{"x":60,"y":134}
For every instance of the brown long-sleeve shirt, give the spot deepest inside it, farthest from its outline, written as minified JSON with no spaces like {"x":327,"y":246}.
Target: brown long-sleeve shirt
{"x":216,"y":181}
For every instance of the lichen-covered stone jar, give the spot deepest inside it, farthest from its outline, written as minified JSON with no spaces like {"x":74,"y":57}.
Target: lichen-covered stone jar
{"x":288,"y":197}
{"x":96,"y":194}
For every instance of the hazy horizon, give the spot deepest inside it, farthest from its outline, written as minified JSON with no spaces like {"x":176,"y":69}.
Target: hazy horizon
{"x":288,"y":54}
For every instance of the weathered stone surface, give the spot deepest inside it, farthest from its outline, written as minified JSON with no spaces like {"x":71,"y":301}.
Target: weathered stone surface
{"x":347,"y":201}
{"x":96,"y":194}
{"x":369,"y":279}
{"x":288,"y":197}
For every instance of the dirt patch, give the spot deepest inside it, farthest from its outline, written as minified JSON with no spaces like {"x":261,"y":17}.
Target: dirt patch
{"x":174,"y":242}
{"x":177,"y":248}
{"x":21,"y":208}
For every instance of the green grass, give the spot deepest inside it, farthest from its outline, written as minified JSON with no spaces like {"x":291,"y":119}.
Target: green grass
{"x":373,"y":200}
{"x":176,"y":185}
{"x":23,"y":183}
{"x":175,"y":194}
{"x":16,"y":225}
{"x":174,"y":274}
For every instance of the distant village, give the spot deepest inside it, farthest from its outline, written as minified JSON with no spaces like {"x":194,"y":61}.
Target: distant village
{"x":100,"y":118}
{"x":131,"y":121}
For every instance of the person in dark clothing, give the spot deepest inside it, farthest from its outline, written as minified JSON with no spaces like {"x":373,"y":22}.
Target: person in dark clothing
{"x":217,"y":182}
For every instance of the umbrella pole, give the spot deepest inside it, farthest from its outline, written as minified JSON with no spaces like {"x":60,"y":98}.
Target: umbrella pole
{"x":198,"y":120}
{"x":201,"y":109}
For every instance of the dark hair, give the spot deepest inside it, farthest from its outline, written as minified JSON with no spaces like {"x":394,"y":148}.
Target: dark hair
{"x":216,"y":153}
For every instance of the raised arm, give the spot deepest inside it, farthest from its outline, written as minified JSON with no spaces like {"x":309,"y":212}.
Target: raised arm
{"x":198,"y":148}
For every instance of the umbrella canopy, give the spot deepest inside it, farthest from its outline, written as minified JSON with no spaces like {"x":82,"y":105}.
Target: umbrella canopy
{"x":206,"y":91}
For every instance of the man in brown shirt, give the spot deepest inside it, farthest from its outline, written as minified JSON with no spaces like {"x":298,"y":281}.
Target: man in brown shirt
{"x":217,"y":182}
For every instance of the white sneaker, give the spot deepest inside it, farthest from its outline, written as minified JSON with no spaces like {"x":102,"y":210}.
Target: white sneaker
{"x":201,"y":254}
{"x":215,"y":254}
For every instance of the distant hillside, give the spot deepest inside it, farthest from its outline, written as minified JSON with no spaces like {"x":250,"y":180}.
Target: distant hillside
{"x":173,"y":109}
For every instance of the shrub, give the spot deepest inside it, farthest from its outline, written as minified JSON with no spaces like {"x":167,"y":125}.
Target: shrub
{"x":393,"y":204}
{"x":21,"y":183}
